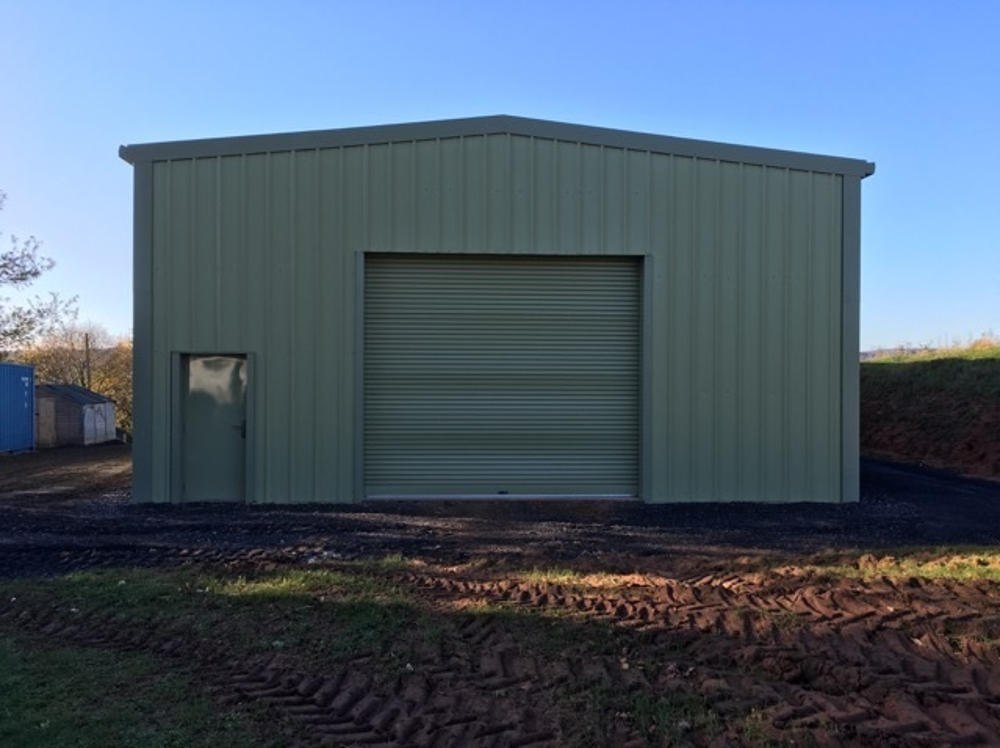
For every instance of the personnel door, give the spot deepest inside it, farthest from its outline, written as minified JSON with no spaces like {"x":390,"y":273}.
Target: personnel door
{"x":214,"y":409}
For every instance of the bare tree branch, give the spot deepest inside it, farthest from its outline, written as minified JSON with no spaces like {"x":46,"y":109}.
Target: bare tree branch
{"x":20,"y":266}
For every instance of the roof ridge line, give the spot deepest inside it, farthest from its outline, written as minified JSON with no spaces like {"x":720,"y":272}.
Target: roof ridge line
{"x":491,"y":125}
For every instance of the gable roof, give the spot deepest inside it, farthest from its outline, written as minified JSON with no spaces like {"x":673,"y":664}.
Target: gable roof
{"x":492,"y":125}
{"x":77,"y":394}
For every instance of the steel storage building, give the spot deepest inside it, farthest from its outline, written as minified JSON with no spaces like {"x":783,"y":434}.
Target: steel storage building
{"x":17,"y":407}
{"x":494,"y":307}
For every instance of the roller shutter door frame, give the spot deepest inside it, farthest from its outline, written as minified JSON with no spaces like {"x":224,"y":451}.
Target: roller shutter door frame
{"x":500,"y":376}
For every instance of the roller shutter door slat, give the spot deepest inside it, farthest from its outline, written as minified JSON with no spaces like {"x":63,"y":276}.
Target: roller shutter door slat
{"x":501,"y":376}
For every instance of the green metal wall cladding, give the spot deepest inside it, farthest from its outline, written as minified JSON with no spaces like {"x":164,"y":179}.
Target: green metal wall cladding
{"x":749,"y":289}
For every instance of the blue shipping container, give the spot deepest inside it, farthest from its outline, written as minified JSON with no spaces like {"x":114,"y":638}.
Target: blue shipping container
{"x":17,"y":407}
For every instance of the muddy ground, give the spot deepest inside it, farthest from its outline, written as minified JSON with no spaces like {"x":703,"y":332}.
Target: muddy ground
{"x":781,"y":624}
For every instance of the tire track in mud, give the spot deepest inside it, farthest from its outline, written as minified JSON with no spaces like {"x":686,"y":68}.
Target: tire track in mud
{"x":870,"y":661}
{"x":24,"y":560}
{"x":852,"y":661}
{"x":475,"y":687}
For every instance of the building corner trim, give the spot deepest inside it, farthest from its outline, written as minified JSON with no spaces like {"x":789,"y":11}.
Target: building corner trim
{"x":142,"y":324}
{"x":850,"y":490}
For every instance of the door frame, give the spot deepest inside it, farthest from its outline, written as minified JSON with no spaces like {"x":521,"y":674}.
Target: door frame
{"x":643,"y":258}
{"x":175,"y":478}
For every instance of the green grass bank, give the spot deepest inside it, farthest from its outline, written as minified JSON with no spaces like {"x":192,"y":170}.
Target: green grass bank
{"x":939,"y":408}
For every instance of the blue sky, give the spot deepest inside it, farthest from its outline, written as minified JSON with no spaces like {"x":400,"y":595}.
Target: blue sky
{"x":913,"y":86}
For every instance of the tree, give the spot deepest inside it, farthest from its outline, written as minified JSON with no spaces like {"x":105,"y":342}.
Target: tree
{"x":20,"y":266}
{"x":114,"y":379}
{"x":68,"y":354}
{"x":88,"y":356}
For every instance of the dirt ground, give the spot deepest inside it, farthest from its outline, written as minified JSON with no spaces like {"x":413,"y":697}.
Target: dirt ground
{"x":555,"y":624}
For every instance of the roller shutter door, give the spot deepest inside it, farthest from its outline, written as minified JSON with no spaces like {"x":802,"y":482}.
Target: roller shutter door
{"x":501,"y":376}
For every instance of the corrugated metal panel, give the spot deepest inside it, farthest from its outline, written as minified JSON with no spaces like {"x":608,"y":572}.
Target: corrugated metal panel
{"x":258,"y":253}
{"x":17,"y":407}
{"x":73,"y":392}
{"x":493,"y":376}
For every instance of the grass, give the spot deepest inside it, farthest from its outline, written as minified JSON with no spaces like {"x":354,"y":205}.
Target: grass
{"x":934,"y":372}
{"x":549,"y":576}
{"x":755,"y":733}
{"x":326,"y":615}
{"x":673,"y":718}
{"x":936,"y":407}
{"x":317,"y":617}
{"x":69,"y":696}
{"x":577,"y":580}
{"x":961,"y":563}
{"x":967,"y":564}
{"x":785,"y":620}
{"x":986,"y":346}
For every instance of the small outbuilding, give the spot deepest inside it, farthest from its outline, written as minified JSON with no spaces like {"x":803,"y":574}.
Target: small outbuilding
{"x":67,"y":414}
{"x":17,"y":407}
{"x":494,"y":307}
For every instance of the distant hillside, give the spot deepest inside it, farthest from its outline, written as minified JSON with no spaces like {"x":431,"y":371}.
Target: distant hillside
{"x":938,"y":408}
